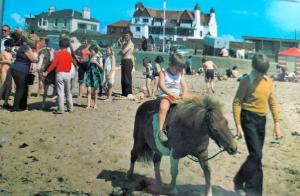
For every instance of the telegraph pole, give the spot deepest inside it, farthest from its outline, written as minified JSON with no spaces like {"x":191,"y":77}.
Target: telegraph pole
{"x":164,"y":26}
{"x":1,"y":17}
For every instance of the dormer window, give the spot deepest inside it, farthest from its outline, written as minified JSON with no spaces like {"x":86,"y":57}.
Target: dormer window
{"x":145,"y":20}
{"x":136,"y":20}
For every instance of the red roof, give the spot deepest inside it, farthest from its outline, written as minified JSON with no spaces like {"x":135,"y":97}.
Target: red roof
{"x":290,"y":52}
{"x":122,"y":23}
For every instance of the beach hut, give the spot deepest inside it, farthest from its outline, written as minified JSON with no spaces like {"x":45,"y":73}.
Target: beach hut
{"x":291,"y":52}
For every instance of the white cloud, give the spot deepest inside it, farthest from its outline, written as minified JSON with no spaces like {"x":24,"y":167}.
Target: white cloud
{"x":228,"y":37}
{"x":104,"y":30}
{"x":285,"y":15}
{"x":245,"y":12}
{"x":128,"y":13}
{"x":17,"y":18}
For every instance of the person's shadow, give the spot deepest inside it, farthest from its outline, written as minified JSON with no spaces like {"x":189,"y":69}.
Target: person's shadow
{"x":141,"y":184}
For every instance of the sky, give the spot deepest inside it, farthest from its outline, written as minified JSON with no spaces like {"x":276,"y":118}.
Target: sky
{"x":235,"y":18}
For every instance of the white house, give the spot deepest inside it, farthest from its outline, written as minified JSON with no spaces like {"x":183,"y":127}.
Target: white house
{"x":186,"y":24}
{"x":63,"y":20}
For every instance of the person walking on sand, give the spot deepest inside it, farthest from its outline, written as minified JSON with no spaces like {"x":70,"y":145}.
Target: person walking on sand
{"x":62,"y":63}
{"x":254,"y":93}
{"x":127,"y":61}
{"x":209,"y":74}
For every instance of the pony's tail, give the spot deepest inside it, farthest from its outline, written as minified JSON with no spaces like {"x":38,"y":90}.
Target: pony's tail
{"x":146,"y":154}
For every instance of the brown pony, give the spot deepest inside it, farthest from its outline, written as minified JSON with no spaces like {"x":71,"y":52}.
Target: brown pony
{"x":190,"y":124}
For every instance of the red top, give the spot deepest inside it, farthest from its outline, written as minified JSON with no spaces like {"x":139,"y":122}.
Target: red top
{"x":62,"y":62}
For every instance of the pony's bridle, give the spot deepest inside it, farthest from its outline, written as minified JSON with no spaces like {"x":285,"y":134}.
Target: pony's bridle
{"x":214,"y":133}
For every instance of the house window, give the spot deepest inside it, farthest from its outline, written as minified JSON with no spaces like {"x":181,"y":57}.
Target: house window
{"x":93,"y":27}
{"x":136,"y":20}
{"x":200,"y":33}
{"x":65,"y":23}
{"x":44,"y":23}
{"x":56,"y":22}
{"x":40,"y":22}
{"x":138,"y":29}
{"x":81,"y":26}
{"x":145,"y":20}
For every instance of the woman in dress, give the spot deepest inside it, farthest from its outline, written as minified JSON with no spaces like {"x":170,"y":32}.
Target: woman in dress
{"x":93,"y":76}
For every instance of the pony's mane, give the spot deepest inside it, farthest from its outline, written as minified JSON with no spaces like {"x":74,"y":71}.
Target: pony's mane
{"x":191,"y":112}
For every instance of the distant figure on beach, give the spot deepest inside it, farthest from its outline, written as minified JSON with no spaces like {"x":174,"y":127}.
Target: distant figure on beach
{"x":209,"y":72}
{"x":149,"y":76}
{"x":224,"y":52}
{"x":156,"y":70}
{"x":93,"y":76}
{"x":144,"y":44}
{"x":254,"y":94}
{"x":127,"y":62}
{"x":189,"y":66}
{"x":232,"y":72}
{"x":109,"y":72}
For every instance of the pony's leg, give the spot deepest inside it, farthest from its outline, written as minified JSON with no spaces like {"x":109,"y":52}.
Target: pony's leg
{"x":156,"y":161}
{"x":133,"y":159}
{"x":174,"y":172}
{"x":206,"y":170}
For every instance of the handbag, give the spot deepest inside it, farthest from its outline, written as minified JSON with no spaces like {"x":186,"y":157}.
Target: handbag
{"x":30,"y":79}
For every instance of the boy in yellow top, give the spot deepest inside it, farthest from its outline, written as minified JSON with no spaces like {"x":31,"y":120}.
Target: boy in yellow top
{"x":255,"y":92}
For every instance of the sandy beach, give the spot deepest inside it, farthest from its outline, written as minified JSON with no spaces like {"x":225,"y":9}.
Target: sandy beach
{"x":88,"y":152}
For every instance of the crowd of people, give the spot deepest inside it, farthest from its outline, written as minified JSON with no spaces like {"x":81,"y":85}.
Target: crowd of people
{"x":20,"y":59}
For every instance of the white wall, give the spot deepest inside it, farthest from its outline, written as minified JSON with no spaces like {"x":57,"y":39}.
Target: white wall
{"x":74,"y":24}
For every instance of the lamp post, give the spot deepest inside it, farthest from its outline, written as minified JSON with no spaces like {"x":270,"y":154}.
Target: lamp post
{"x":1,"y":18}
{"x":164,"y":26}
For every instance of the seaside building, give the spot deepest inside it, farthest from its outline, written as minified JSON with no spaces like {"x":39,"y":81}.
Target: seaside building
{"x":186,"y":24}
{"x":118,"y":28}
{"x":67,"y":20}
{"x":271,"y":45}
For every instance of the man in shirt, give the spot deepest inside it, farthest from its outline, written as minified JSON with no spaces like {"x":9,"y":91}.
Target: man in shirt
{"x":5,"y":36}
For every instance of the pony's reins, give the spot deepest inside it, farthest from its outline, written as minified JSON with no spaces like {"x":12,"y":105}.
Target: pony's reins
{"x":207,"y":159}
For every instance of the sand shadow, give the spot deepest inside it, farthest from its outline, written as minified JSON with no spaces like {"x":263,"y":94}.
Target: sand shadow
{"x":39,"y":106}
{"x":148,"y":185}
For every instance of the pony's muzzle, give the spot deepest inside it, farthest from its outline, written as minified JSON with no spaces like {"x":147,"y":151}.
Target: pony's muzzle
{"x":232,"y":150}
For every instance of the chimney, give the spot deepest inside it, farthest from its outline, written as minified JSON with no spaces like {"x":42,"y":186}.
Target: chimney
{"x":86,"y":13}
{"x":51,"y":9}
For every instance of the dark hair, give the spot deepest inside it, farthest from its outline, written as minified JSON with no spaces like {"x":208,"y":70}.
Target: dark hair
{"x":159,"y":59}
{"x":176,"y":60}
{"x":9,"y":43}
{"x":129,"y":32}
{"x":204,"y":60}
{"x":190,"y":57}
{"x":260,"y":63}
{"x":47,"y":40}
{"x":18,"y":38}
{"x":146,"y":60}
{"x":64,"y":42}
{"x":234,"y":67}
{"x":6,"y":26}
{"x":94,"y":48}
